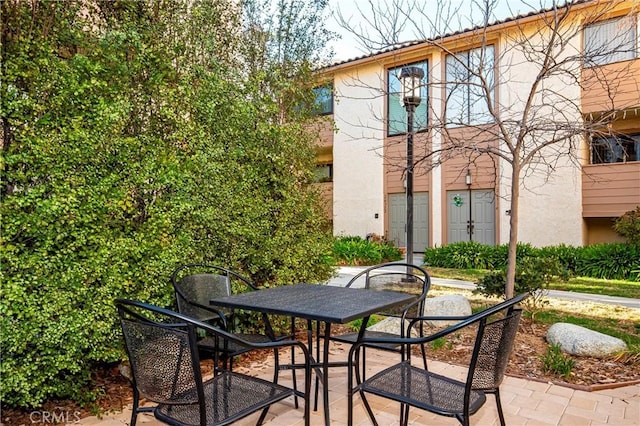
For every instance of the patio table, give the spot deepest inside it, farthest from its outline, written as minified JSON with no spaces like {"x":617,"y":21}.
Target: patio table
{"x":320,"y":303}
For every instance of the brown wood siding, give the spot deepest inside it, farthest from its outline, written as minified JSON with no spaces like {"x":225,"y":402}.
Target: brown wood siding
{"x":395,"y":163}
{"x":612,"y":86}
{"x":324,"y":126}
{"x":483,"y":169}
{"x":610,"y":190}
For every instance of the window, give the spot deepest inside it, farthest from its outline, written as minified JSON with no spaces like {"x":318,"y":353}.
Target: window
{"x":324,"y":173}
{"x":323,"y":102}
{"x":396,"y":112}
{"x":610,"y":41}
{"x":615,"y":149}
{"x":466,"y":102}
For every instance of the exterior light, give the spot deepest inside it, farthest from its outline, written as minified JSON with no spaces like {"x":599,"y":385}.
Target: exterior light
{"x":467,"y":178}
{"x":411,"y":85}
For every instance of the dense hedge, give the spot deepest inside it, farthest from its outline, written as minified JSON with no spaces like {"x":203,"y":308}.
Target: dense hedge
{"x":130,"y":148}
{"x":354,"y":250}
{"x":612,"y":261}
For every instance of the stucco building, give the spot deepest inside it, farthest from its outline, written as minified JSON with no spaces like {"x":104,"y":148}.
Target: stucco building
{"x":480,"y":85}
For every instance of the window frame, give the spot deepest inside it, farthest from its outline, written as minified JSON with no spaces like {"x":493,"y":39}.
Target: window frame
{"x":610,"y":57}
{"x":394,"y":96}
{"x":469,"y":115}
{"x":323,"y":177}
{"x":603,"y":149}
{"x":317,"y":105}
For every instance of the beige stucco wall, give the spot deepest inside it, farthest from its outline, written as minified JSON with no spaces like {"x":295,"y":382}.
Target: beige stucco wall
{"x":550,"y":209}
{"x":357,"y":152}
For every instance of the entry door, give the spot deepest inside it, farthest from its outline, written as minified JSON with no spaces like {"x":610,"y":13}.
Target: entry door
{"x":398,"y":219}
{"x":481,"y":227}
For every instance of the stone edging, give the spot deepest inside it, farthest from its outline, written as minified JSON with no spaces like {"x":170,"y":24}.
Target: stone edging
{"x":585,"y":388}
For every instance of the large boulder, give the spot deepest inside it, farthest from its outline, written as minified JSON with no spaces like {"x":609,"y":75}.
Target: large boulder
{"x":390,"y":325}
{"x":449,"y":305}
{"x":576,"y":340}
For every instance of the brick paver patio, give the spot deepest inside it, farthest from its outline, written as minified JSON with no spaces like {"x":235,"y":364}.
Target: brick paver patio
{"x":525,"y":402}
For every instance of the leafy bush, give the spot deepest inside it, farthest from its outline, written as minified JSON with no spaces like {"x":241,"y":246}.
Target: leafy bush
{"x":609,"y":261}
{"x":127,"y":154}
{"x":353,"y":250}
{"x":473,"y":255}
{"x":533,"y":275}
{"x":628,"y":226}
{"x":612,"y":261}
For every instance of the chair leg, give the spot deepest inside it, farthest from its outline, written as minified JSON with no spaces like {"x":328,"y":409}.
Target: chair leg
{"x":368,"y":408}
{"x":276,"y":362}
{"x":499,"y":404}
{"x":263,"y":415}
{"x":134,"y":411}
{"x":404,"y":414}
{"x":293,"y":361}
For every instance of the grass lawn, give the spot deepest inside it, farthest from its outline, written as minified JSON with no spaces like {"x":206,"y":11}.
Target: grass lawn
{"x":578,"y":284}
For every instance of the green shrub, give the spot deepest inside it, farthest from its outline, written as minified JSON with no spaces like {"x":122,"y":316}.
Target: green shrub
{"x":533,"y":275}
{"x":473,"y":255}
{"x":608,"y":261}
{"x":612,"y":261}
{"x":555,"y":362}
{"x":353,"y":250}
{"x":567,"y":255}
{"x":628,"y":226}
{"x":126,"y":155}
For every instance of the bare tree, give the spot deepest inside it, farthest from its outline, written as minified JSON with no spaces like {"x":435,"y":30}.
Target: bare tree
{"x":540,"y":125}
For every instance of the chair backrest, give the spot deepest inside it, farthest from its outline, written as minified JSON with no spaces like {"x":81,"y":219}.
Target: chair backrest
{"x":196,"y":284}
{"x":492,"y":349}
{"x":401,"y":277}
{"x":495,"y":336}
{"x":162,"y":352}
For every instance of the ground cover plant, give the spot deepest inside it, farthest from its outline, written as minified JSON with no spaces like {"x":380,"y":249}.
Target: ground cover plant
{"x":355,"y":250}
{"x":619,"y":261}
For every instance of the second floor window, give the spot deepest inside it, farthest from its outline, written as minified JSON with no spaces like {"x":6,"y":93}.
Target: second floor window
{"x":323,"y":102}
{"x":615,"y":149}
{"x":466,"y":102}
{"x":324,"y":173}
{"x":396,"y":112}
{"x":609,"y":41}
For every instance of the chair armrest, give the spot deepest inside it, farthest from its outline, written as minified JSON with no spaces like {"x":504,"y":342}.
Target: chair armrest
{"x":438,"y":318}
{"x":465,"y":322}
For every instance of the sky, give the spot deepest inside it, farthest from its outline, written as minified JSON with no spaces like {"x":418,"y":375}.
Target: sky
{"x":347,"y":46}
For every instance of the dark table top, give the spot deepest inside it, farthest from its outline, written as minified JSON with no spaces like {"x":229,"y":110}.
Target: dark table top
{"x":316,"y":302}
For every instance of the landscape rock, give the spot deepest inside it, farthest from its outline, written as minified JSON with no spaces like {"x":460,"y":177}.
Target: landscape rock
{"x":449,"y":305}
{"x":576,"y":340}
{"x":390,"y":325}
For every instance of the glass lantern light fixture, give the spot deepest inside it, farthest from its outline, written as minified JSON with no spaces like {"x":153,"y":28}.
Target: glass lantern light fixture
{"x":411,"y":85}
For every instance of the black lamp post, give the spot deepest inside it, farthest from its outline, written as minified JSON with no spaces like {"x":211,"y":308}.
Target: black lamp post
{"x":467,"y":180}
{"x":410,"y":83}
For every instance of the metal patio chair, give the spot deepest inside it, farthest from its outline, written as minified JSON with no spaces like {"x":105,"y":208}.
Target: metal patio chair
{"x":195,"y":285}
{"x":400,"y":277}
{"x":417,"y":387}
{"x":165,"y":364}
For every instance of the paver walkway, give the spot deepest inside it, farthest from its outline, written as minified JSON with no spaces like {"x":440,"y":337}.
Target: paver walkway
{"x":525,"y":402}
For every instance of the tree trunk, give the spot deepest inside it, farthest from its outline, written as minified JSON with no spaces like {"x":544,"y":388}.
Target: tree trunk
{"x":513,"y":232}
